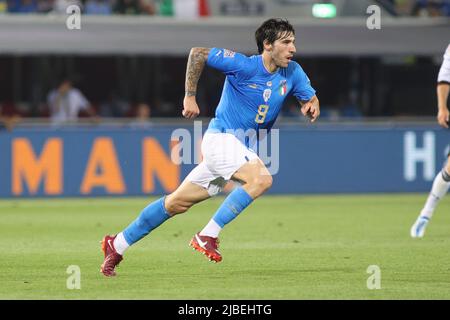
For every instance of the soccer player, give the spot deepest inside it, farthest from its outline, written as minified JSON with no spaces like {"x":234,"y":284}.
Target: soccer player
{"x":254,"y":90}
{"x":442,"y":181}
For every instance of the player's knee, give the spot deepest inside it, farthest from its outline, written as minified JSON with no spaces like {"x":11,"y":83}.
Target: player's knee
{"x":267,"y":183}
{"x":263,"y":183}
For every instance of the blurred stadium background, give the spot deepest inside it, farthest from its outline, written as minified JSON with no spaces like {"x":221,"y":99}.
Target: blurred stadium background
{"x":377,"y":134}
{"x":376,"y":87}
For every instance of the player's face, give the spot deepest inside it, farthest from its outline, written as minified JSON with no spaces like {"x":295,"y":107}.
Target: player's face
{"x":283,"y":50}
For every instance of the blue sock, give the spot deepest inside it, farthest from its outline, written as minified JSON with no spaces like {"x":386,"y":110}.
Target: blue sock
{"x":234,"y":204}
{"x":150,"y":218}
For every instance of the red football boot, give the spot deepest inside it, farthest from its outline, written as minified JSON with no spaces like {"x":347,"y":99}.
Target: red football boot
{"x":208,"y":246}
{"x":112,"y":258}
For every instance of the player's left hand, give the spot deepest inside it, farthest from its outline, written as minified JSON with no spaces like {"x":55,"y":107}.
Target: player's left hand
{"x":311,"y":110}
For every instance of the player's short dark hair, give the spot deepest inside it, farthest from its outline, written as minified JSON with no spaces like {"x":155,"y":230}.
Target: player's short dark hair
{"x":272,"y":30}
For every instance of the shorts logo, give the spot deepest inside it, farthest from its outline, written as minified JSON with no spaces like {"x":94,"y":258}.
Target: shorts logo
{"x":228,"y":53}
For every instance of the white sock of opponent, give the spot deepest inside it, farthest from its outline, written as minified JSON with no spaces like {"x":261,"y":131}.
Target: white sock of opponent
{"x":440,"y":187}
{"x":212,"y":229}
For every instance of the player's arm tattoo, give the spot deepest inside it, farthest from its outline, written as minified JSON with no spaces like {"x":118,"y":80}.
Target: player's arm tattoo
{"x":196,"y":63}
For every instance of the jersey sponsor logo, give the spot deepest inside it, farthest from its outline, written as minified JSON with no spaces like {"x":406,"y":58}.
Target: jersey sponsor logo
{"x":228,"y":53}
{"x":266,"y":95}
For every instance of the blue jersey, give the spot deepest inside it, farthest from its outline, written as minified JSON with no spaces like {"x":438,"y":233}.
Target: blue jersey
{"x":252,"y":97}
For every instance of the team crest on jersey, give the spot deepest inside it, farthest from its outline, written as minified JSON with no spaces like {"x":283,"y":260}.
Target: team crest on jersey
{"x":228,"y":53}
{"x":283,"y":87}
{"x":266,"y":94}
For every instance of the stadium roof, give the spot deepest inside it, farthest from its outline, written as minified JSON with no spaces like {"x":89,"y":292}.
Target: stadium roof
{"x":125,"y":35}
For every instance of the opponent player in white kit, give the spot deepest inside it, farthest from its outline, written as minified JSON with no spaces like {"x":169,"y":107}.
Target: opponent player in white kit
{"x":442,"y":181}
{"x":253,"y":94}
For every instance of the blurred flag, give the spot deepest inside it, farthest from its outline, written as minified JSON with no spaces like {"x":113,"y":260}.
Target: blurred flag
{"x":184,"y":8}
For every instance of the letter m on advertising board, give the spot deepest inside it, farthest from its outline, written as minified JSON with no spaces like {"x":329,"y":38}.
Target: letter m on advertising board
{"x":30,"y":169}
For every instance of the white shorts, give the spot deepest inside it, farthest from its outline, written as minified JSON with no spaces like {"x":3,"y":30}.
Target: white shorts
{"x":223,"y":154}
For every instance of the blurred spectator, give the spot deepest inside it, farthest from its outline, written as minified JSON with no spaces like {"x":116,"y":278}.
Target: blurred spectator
{"x":2,"y":120}
{"x":431,"y":8}
{"x":184,"y":8}
{"x":113,"y":107}
{"x":66,"y":102}
{"x":143,"y":113}
{"x":22,"y":6}
{"x":98,"y":7}
{"x":45,"y":6}
{"x":242,"y":8}
{"x":134,"y":7}
{"x":402,"y":7}
{"x":9,"y":116}
{"x":444,"y":8}
{"x":148,"y":7}
{"x":391,"y":6}
{"x":3,"y":6}
{"x":60,"y":6}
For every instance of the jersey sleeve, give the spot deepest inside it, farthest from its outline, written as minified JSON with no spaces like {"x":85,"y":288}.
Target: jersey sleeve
{"x":229,"y":62}
{"x":302,"y":88}
{"x":444,"y":71}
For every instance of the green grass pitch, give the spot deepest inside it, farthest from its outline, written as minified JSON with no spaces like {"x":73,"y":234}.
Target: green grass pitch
{"x":281,"y":247}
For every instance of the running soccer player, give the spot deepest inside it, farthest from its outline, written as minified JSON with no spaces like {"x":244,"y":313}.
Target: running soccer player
{"x":254,"y":90}
{"x":442,"y":181}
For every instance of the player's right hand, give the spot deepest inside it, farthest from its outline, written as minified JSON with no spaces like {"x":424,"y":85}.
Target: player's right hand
{"x":310,"y":110}
{"x":443,"y":117}
{"x":190,"y":108}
